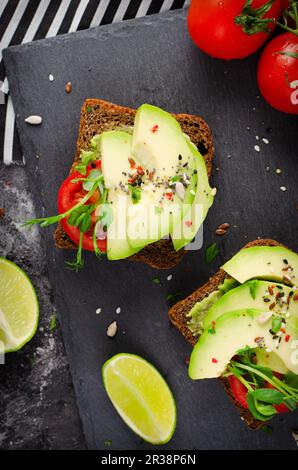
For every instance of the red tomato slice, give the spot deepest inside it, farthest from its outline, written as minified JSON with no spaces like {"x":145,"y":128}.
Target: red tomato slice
{"x":68,"y":196}
{"x":278,"y":73}
{"x":239,"y":391}
{"x":211,"y":25}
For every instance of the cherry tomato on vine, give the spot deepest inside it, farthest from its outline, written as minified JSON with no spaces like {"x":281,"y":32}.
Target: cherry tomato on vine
{"x":212,"y":26}
{"x":278,"y":73}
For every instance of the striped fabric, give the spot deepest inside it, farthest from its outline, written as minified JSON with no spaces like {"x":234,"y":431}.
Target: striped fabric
{"x":26,"y":20}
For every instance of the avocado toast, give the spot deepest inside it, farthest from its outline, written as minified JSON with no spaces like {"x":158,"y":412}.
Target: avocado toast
{"x":145,"y":156}
{"x":247,"y":314}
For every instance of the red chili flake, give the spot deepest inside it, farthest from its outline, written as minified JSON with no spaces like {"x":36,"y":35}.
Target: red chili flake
{"x":154,"y":129}
{"x":287,"y":338}
{"x":188,"y":223}
{"x":132,"y":163}
{"x":186,"y":360}
{"x":214,"y":361}
{"x":140,"y":170}
{"x":133,"y":179}
{"x":282,"y":330}
{"x":169,"y":196}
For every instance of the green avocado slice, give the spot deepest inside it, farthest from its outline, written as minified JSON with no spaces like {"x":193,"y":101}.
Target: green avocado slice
{"x":235,"y":331}
{"x":261,"y":295}
{"x":264,"y":262}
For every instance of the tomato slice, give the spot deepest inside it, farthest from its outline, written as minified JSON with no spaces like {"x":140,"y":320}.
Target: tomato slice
{"x":239,"y":391}
{"x":69,"y":195}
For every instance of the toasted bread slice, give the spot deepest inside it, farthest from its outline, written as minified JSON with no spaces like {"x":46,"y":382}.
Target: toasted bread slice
{"x":98,"y":116}
{"x":178,"y":315}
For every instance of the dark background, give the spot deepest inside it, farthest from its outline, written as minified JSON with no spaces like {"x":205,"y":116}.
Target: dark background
{"x":153,"y":60}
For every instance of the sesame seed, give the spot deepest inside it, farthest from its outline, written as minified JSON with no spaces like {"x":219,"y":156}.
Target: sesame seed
{"x":51,"y":77}
{"x":170,"y":277}
{"x":278,"y":171}
{"x":257,"y":137}
{"x":257,"y":148}
{"x":98,"y":311}
{"x":118,"y":310}
{"x":267,"y":168}
{"x":283,"y":188}
{"x":266,"y":141}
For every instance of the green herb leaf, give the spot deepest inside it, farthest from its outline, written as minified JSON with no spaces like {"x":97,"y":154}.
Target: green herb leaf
{"x":291,"y":379}
{"x":53,"y":323}
{"x":85,"y":223}
{"x":94,"y":177}
{"x":259,"y":411}
{"x":212,"y":252}
{"x":268,"y":395}
{"x":173,"y":298}
{"x":267,"y":429}
{"x":135,"y":193}
{"x":252,"y":288}
{"x":78,"y":262}
{"x":106,"y":214}
{"x":88,"y":109}
{"x":276,"y":324}
{"x":156,"y":280}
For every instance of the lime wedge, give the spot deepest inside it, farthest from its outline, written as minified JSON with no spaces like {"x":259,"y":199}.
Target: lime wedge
{"x":141,"y":396}
{"x":18,"y":307}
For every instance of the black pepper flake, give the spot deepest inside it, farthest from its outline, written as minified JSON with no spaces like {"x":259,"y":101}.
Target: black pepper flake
{"x":266,"y":300}
{"x":285,"y":261}
{"x":93,"y":165}
{"x":179,"y":157}
{"x":195,"y":172}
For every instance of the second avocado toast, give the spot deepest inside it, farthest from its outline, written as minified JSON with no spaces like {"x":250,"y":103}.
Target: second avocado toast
{"x":247,"y":312}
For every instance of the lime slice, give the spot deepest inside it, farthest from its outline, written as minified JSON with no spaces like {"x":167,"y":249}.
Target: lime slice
{"x":141,"y":396}
{"x":18,"y":307}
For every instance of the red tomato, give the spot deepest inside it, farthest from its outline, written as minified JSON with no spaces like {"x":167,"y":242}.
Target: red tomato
{"x":212,"y":27}
{"x":278,"y":73}
{"x":239,"y":391}
{"x":68,"y":196}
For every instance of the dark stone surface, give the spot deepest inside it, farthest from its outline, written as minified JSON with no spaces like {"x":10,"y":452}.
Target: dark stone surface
{"x":153,"y":60}
{"x":37,"y":407}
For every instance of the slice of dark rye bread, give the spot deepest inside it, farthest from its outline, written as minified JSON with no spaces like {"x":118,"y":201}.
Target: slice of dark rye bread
{"x":98,"y":116}
{"x":178,"y":315}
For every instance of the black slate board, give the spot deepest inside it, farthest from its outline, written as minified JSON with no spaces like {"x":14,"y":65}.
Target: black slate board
{"x":153,"y":60}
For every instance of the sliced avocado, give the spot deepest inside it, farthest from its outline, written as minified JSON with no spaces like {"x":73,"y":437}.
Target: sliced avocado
{"x":147,"y":222}
{"x":235,"y":331}
{"x":194,"y":212}
{"x":270,"y":360}
{"x":266,"y":262}
{"x":115,"y":149}
{"x":158,"y":141}
{"x":262,"y":295}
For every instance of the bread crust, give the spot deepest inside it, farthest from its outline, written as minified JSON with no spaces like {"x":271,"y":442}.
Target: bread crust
{"x":178,"y":316}
{"x":98,"y":116}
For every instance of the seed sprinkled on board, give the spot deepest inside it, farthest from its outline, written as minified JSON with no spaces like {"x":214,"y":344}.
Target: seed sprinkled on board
{"x":51,"y":77}
{"x":112,"y":329}
{"x":257,"y":148}
{"x":283,"y":188}
{"x":118,"y":310}
{"x":170,"y":277}
{"x":34,"y":120}
{"x":98,"y":311}
{"x":68,"y":87}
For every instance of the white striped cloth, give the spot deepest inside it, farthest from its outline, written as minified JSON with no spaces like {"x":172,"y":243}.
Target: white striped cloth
{"x":26,"y":20}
